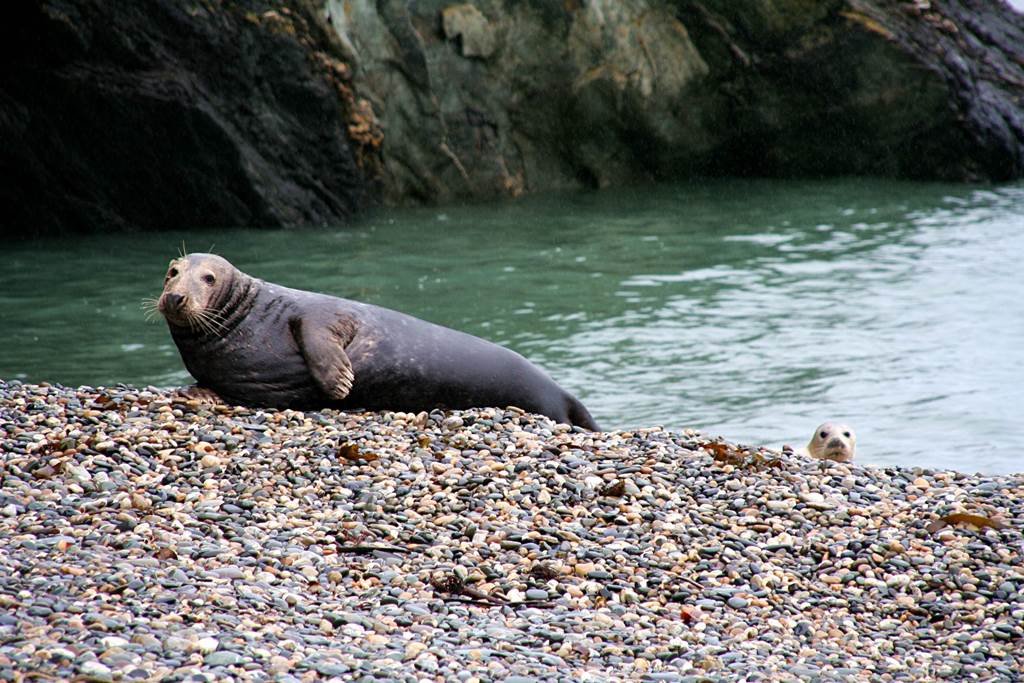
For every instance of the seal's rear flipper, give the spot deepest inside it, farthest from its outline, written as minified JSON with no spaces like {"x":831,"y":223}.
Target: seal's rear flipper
{"x":580,"y":416}
{"x":323,"y":348}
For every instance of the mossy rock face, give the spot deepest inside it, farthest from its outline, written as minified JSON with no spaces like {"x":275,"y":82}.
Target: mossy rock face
{"x":596,"y":93}
{"x":564,"y":94}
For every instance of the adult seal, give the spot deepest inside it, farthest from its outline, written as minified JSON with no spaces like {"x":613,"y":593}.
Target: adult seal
{"x":259,"y":344}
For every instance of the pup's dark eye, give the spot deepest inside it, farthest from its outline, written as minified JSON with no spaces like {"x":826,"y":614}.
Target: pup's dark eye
{"x":823,"y":435}
{"x":846,"y":434}
{"x":209,"y":279}
{"x":173,"y":272}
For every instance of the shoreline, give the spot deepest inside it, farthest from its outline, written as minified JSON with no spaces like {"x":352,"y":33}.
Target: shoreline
{"x":149,"y":537}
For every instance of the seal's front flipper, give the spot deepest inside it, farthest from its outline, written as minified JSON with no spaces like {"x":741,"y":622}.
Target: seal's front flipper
{"x":199,"y":393}
{"x":323,"y":347}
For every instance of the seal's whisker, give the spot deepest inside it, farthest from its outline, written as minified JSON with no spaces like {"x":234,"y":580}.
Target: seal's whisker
{"x":207,"y":327}
{"x":199,"y":320}
{"x":215,"y":327}
{"x":210,"y":324}
{"x":220,"y":323}
{"x":212,"y":313}
{"x":151,"y":308}
{"x":215,"y":314}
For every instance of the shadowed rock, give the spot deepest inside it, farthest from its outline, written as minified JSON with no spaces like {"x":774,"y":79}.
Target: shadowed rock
{"x":163,"y":115}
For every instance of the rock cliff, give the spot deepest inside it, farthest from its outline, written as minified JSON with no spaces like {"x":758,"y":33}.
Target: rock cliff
{"x":164,"y":114}
{"x":508,"y":96}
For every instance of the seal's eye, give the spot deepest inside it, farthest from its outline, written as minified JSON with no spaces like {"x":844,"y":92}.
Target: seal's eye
{"x":823,"y":435}
{"x":209,"y":279}
{"x":846,"y":434}
{"x":173,"y":272}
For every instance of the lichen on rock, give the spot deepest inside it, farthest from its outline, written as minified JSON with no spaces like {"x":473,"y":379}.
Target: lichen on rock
{"x":470,"y":27}
{"x":638,"y":48}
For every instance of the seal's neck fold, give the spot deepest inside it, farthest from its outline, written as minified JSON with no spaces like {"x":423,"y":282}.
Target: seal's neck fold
{"x":235,"y":302}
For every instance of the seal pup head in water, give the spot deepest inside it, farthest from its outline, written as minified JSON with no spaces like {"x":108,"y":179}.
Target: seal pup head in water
{"x":256,"y":343}
{"x":833,"y":441}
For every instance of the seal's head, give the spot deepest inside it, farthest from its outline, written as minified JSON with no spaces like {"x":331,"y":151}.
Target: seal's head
{"x":194,"y":289}
{"x":833,"y":441}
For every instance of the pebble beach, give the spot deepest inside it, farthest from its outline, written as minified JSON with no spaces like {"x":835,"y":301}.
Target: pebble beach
{"x":148,"y":536}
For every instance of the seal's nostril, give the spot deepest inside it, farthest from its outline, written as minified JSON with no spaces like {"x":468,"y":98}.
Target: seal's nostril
{"x":175,"y":300}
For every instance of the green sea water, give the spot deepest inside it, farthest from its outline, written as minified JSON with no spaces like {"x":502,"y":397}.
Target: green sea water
{"x":748,"y":309}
